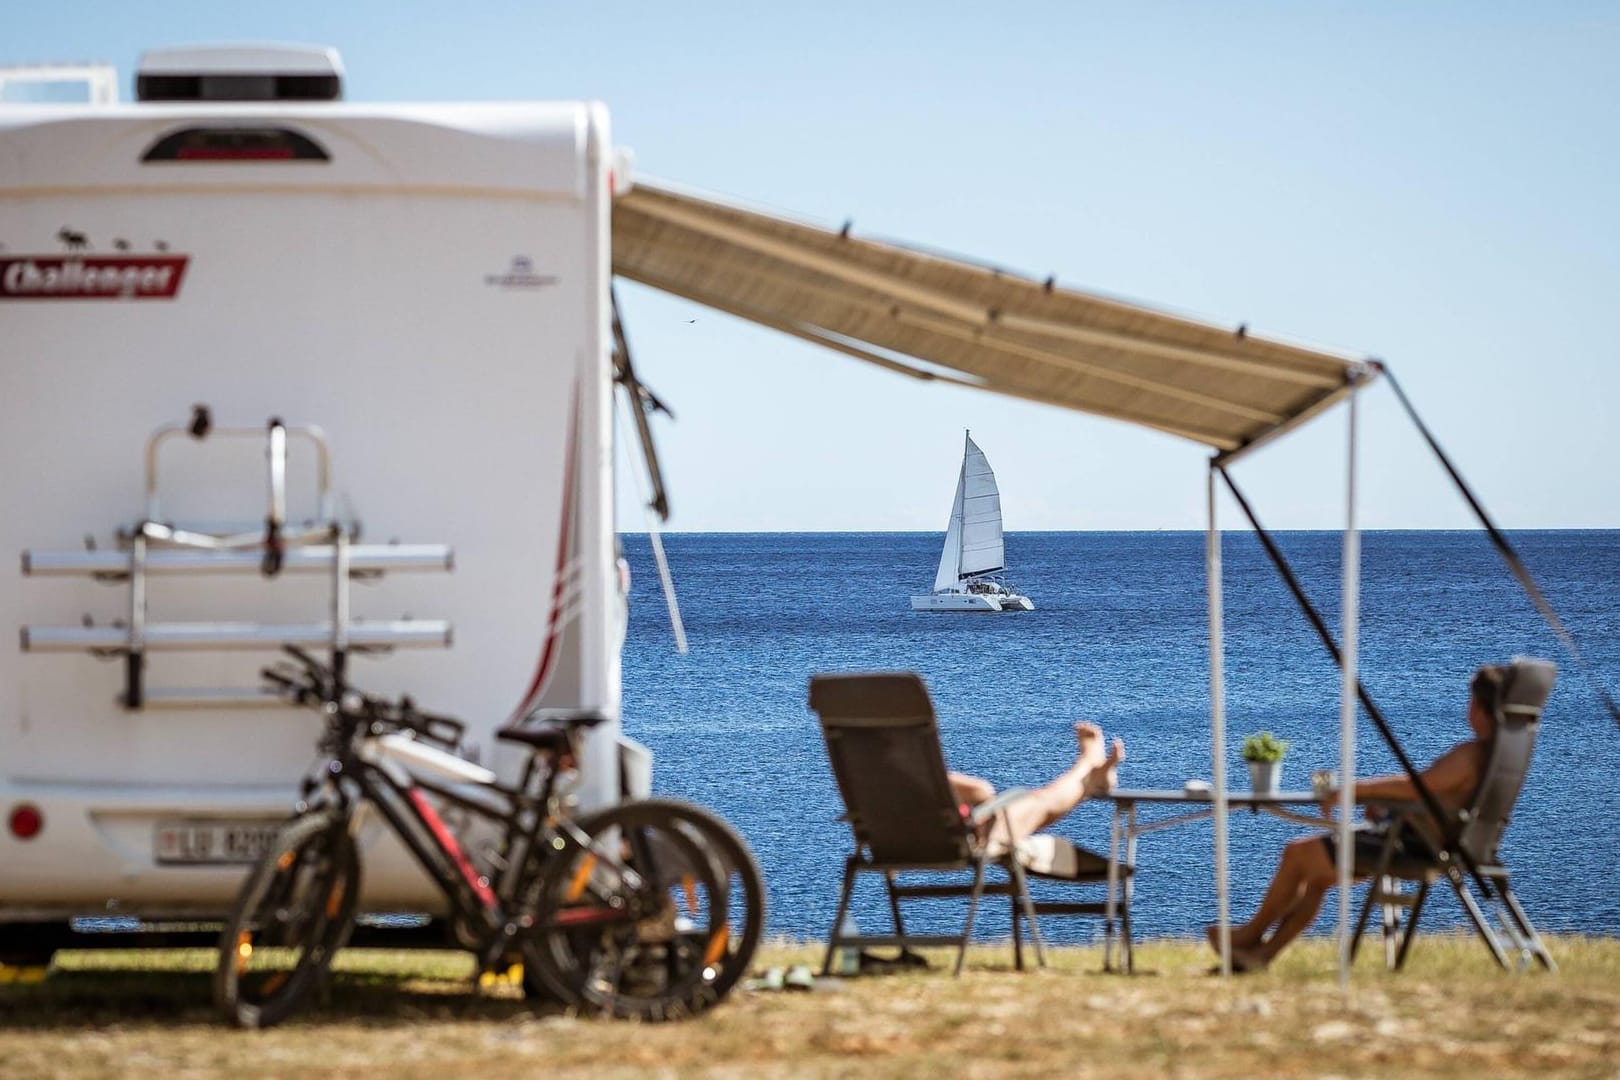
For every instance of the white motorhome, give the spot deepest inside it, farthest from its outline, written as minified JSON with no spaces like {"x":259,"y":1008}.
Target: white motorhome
{"x":360,"y":356}
{"x":400,"y":323}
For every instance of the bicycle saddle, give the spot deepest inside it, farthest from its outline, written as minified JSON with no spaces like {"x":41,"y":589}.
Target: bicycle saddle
{"x":550,"y":729}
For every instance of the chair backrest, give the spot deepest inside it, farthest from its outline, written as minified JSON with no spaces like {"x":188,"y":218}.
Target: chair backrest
{"x":1526,"y":684}
{"x":883,"y":744}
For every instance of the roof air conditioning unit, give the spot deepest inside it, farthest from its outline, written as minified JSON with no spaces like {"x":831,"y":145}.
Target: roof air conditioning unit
{"x":240,"y":73}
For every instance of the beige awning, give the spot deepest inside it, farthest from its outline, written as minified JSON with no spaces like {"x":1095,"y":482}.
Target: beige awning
{"x":973,"y":325}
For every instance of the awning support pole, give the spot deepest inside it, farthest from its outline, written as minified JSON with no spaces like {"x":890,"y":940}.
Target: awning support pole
{"x":1348,"y":681}
{"x":1217,"y":724}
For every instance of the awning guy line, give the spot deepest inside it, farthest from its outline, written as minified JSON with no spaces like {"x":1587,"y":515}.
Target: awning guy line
{"x":1510,"y":556}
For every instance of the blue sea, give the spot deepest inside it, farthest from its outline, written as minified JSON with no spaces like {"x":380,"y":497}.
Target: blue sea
{"x":1119,"y":637}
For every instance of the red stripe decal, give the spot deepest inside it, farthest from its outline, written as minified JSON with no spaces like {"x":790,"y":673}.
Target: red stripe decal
{"x":548,"y":653}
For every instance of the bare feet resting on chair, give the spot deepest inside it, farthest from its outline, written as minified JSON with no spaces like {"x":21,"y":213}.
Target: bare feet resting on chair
{"x":1093,"y":773}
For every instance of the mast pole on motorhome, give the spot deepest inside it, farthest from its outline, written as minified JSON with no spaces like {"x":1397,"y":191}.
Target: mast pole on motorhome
{"x":1217,"y":723}
{"x":1351,"y":582}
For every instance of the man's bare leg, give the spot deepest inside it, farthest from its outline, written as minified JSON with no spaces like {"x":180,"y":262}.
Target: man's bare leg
{"x":1092,"y":770}
{"x":1301,"y":915}
{"x":1280,"y":897}
{"x":1305,"y":868}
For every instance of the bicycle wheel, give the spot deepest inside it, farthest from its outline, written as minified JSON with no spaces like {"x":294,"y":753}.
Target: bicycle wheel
{"x":633,"y":924}
{"x":745,"y":888}
{"x":294,"y":912}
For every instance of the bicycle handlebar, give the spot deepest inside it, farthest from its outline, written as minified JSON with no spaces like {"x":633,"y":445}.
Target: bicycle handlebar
{"x":316,"y":686}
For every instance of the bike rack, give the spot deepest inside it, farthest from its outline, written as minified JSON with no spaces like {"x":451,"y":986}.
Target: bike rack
{"x":155,"y":548}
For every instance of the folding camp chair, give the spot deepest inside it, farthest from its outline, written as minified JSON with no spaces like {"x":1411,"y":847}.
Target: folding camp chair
{"x":1525,"y":686}
{"x":883,"y":744}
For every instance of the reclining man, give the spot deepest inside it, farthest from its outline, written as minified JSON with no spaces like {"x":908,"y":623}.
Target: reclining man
{"x":1094,"y":772}
{"x":1309,"y":865}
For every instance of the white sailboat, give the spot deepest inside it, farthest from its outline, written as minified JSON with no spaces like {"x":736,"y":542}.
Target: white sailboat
{"x":974,"y":557}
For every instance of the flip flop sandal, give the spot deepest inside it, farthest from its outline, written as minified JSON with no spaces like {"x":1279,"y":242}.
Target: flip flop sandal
{"x":773,"y":980}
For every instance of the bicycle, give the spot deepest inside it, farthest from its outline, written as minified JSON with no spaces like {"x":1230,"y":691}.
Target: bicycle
{"x":651,"y":909}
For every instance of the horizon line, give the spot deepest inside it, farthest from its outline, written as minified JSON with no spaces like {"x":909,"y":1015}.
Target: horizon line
{"x":1049,"y":532}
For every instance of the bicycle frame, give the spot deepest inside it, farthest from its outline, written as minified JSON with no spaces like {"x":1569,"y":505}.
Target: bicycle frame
{"x":533,"y":826}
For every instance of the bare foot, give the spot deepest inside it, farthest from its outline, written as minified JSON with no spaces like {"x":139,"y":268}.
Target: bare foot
{"x":1104,"y":775}
{"x":1090,"y":739}
{"x":1245,"y":958}
{"x":1245,"y":961}
{"x":1212,"y":933}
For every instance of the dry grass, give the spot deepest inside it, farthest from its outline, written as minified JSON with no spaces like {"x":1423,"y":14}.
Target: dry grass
{"x":415,"y":1015}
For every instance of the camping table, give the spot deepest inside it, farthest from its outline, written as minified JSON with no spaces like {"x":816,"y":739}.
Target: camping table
{"x":1194,"y":806}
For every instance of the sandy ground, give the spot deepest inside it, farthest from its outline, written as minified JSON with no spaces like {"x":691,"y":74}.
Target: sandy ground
{"x":389,"y":1014}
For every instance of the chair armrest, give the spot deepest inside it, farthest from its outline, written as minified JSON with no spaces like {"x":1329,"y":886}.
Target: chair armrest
{"x":1392,"y":807}
{"x":1409,"y":810}
{"x":987,"y":810}
{"x":1413,"y":817}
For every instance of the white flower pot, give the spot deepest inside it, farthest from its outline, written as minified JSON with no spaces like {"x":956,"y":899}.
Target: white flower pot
{"x":1265,"y":777}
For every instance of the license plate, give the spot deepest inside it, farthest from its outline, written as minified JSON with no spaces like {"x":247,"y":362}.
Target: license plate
{"x":217,"y":842}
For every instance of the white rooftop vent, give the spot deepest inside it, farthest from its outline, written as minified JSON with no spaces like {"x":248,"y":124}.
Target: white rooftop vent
{"x":254,"y":72}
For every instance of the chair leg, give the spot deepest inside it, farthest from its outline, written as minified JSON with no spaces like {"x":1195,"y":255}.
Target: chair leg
{"x":1411,"y":925}
{"x":894,"y":906}
{"x":972,"y":912}
{"x":1373,"y":891}
{"x":1513,"y":929}
{"x":1538,"y":948}
{"x":1481,"y":924}
{"x":1017,"y":932}
{"x":850,"y":870}
{"x":1382,"y":887}
{"x":1389,"y":897}
{"x":1127,"y":950}
{"x":1021,"y":898}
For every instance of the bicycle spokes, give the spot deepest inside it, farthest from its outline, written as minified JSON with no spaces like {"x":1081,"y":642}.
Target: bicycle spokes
{"x":294,"y":912}
{"x":632,"y":923}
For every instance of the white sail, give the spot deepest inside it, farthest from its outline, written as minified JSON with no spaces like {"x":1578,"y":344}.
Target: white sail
{"x":973,"y":538}
{"x":950,"y":558}
{"x":980,"y":507}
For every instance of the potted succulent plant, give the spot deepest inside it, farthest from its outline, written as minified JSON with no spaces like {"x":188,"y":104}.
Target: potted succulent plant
{"x":1264,"y":753}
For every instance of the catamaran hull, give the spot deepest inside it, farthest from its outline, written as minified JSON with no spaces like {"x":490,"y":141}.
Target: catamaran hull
{"x":971,"y":602}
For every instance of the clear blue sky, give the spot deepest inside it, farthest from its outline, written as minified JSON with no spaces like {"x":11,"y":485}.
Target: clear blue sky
{"x":1433,"y":184}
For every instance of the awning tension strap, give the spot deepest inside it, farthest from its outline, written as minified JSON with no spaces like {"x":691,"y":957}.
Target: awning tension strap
{"x":1505,"y":549}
